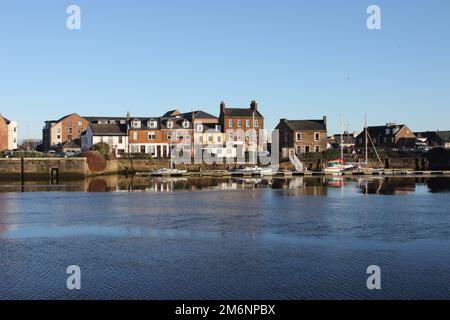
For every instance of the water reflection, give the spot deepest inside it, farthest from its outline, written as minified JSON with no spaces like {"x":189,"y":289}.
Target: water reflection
{"x":297,"y":186}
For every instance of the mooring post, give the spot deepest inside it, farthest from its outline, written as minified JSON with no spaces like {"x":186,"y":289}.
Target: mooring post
{"x":22,"y":171}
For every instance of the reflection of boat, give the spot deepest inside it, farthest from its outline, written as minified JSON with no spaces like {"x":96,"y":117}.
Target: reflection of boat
{"x":168,"y":171}
{"x":335,"y":182}
{"x":337,"y":167}
{"x":254,"y":171}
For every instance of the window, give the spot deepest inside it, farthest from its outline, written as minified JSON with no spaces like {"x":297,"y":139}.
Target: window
{"x":218,"y":128}
{"x":247,"y":123}
{"x":239,"y":123}
{"x":120,"y":140}
{"x":199,"y":127}
{"x":210,"y":138}
{"x":239,"y":135}
{"x":256,"y":124}
{"x":317,"y":148}
{"x":152,"y":124}
{"x":58,"y":130}
{"x":316,"y":136}
{"x":69,"y":123}
{"x":170,"y":124}
{"x":80,"y":123}
{"x":151,"y":150}
{"x":135,"y":136}
{"x":307,"y":149}
{"x":298,"y":150}
{"x":185,"y":124}
{"x":69,"y":130}
{"x":134,"y":149}
{"x":298,"y":136}
{"x":151,"y":136}
{"x":230,"y":135}
{"x":58,"y":136}
{"x":69,"y":137}
{"x":230,"y":123}
{"x":136,"y":124}
{"x":169,"y":136}
{"x":219,"y":139}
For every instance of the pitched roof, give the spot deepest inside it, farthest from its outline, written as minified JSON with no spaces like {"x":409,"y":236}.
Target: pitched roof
{"x":381,"y":130}
{"x":239,"y":112}
{"x":70,"y":145}
{"x":6,"y":120}
{"x":171,"y":113}
{"x":203,"y":115}
{"x":108,"y":129}
{"x":66,"y":116}
{"x":444,"y":135}
{"x":306,"y":125}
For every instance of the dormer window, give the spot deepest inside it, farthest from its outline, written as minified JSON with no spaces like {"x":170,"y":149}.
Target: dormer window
{"x":170,"y":124}
{"x":185,"y":124}
{"x":199,"y":127}
{"x":153,"y":124}
{"x":136,"y":124}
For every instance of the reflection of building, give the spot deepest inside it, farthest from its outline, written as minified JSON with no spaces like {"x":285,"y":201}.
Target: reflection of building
{"x":302,"y":136}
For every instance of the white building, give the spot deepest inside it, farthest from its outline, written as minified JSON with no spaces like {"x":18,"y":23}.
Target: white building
{"x":114,"y":135}
{"x":12,"y":134}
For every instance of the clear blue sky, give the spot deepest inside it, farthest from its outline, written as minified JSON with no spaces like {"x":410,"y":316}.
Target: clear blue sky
{"x":299,"y":59}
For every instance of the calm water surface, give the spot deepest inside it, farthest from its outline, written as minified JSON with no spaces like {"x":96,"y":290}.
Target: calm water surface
{"x":302,"y":238}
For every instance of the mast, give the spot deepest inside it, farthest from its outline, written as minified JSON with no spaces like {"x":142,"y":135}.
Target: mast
{"x":342,"y":140}
{"x":366,"y":141}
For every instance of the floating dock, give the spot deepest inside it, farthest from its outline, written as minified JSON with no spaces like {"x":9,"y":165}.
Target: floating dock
{"x":287,"y":174}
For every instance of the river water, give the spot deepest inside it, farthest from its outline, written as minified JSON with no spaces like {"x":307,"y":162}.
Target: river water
{"x":300,"y":238}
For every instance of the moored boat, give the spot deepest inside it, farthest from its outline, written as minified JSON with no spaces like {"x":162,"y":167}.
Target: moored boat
{"x":337,"y":167}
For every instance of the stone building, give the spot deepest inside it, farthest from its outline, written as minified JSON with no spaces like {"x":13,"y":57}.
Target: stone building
{"x":302,"y":136}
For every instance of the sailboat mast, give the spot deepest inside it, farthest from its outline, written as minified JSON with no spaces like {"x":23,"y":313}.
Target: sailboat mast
{"x":366,"y":141}
{"x":342,"y":140}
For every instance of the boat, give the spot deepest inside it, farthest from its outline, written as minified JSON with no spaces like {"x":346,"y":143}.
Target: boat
{"x":255,"y":170}
{"x":337,"y":167}
{"x":168,"y":171}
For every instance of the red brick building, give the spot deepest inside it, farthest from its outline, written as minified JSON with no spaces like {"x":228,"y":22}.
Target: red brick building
{"x":3,"y":134}
{"x":239,"y":124}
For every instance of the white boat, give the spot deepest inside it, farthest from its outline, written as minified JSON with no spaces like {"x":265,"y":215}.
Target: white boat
{"x":255,"y":170}
{"x":337,"y":167}
{"x":168,"y":171}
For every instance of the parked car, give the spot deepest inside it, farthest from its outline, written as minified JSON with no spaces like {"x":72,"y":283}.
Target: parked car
{"x":8,"y":154}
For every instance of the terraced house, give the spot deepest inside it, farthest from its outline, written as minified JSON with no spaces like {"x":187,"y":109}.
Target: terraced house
{"x":242,"y":128}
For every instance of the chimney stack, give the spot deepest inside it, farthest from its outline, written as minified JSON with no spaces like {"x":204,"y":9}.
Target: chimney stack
{"x":254,"y":105}
{"x":325,"y":121}
{"x":222,"y":107}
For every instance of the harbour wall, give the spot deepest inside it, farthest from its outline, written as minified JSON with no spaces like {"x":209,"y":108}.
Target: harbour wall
{"x":52,"y":168}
